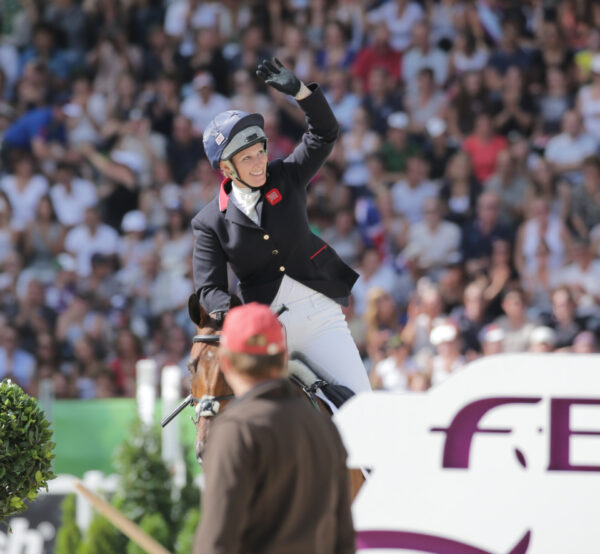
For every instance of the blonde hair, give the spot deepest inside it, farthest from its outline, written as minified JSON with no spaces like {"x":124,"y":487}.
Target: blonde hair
{"x":372,"y":309}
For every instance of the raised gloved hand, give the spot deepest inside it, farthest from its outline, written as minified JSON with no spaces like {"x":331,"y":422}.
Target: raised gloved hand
{"x":279,"y":77}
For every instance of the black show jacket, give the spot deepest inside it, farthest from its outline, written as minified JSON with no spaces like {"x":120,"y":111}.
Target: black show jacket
{"x":283,"y":243}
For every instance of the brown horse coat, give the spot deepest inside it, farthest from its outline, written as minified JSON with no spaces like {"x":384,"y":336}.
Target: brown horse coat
{"x":276,"y":479}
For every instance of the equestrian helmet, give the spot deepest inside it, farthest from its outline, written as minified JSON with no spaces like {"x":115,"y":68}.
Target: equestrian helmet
{"x":231,"y":132}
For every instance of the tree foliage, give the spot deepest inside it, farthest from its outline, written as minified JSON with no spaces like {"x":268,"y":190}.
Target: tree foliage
{"x":68,"y":536}
{"x":156,"y":526}
{"x":185,"y":538}
{"x":26,"y":449}
{"x":147,"y":496}
{"x":146,"y":483}
{"x":102,"y":537}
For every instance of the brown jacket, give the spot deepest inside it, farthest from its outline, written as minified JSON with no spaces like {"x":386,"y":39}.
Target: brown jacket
{"x":276,"y":478}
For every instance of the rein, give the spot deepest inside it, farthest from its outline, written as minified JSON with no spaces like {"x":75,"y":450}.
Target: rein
{"x":207,"y":406}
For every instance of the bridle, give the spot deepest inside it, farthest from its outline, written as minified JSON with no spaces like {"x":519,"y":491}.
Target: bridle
{"x":207,"y":405}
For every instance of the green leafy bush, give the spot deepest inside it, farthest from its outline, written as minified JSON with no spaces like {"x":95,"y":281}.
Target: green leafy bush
{"x":188,"y":498}
{"x":68,"y":536}
{"x":185,"y":539}
{"x":146,"y":483}
{"x":156,"y":526}
{"x":102,"y":538}
{"x":147,"y":495}
{"x":26,"y":451}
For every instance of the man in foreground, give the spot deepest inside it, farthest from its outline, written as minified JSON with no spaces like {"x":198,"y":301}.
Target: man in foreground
{"x":276,"y":477}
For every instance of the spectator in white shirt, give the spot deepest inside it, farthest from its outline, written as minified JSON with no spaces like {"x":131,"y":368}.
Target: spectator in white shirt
{"x":15,"y":363}
{"x":516,"y":324}
{"x":566,"y":151}
{"x":71,"y":195}
{"x":183,"y":16}
{"x":400,"y":16}
{"x":204,"y":103}
{"x":342,"y":101}
{"x":425,"y":102}
{"x":582,"y":277}
{"x":24,"y":188}
{"x":423,"y":55}
{"x":86,"y":125}
{"x":448,"y":359}
{"x":432,"y":243}
{"x":393,"y":373}
{"x":374,"y":272}
{"x":409,"y":194}
{"x":89,"y":238}
{"x":133,"y":248}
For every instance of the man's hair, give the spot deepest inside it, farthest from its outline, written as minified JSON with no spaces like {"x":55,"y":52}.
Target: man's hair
{"x":256,"y":365}
{"x":513,"y":288}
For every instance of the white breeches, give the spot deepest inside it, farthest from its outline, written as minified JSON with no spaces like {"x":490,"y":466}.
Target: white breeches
{"x":316,"y":327}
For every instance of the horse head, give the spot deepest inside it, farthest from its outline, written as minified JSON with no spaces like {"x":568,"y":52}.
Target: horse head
{"x":210,"y":391}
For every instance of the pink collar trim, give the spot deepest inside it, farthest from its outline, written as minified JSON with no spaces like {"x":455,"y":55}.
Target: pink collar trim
{"x":223,"y":196}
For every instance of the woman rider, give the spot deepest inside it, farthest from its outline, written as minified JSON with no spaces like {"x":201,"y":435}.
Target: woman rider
{"x":258,"y":224}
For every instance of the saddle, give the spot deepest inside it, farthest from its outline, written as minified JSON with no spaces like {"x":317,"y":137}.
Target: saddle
{"x":306,"y":375}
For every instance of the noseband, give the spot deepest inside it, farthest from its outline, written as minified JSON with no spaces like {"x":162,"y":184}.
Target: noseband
{"x":208,"y":406}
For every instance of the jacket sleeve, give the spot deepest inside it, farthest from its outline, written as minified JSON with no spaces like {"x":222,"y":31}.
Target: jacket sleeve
{"x":226,"y":499}
{"x":210,"y":269}
{"x":317,"y":142}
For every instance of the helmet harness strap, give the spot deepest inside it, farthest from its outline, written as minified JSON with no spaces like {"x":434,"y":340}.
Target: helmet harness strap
{"x":234,"y":173}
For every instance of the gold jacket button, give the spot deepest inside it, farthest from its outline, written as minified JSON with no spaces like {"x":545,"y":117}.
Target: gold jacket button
{"x":275,"y":252}
{"x":281,"y":268}
{"x":266,"y":237}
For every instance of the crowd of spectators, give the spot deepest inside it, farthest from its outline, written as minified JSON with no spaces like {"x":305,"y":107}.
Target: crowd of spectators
{"x":464,"y":187}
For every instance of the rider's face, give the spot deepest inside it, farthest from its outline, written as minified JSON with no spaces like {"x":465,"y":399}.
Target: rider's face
{"x":251,"y":165}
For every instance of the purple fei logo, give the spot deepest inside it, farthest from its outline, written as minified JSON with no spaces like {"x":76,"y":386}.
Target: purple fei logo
{"x":420,"y":542}
{"x":501,"y":458}
{"x":465,"y":425}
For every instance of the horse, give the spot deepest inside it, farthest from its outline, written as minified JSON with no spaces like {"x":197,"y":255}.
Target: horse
{"x":211,"y":393}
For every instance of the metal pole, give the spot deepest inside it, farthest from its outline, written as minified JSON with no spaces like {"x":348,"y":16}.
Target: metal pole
{"x":171,"y":444}
{"x":146,"y":390}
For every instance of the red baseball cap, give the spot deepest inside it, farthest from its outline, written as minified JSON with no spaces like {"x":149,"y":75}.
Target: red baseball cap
{"x":253,"y":329}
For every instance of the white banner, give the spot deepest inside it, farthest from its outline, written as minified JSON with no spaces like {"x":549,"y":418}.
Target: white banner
{"x":504,"y":457}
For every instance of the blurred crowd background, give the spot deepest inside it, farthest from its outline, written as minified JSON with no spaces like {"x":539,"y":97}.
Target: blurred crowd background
{"x":464,"y":187}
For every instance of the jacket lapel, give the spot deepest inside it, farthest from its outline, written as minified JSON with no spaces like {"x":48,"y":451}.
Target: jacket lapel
{"x":235,"y":215}
{"x":259,"y":207}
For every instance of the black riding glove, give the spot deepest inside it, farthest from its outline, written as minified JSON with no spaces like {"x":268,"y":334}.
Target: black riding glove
{"x":276,"y":75}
